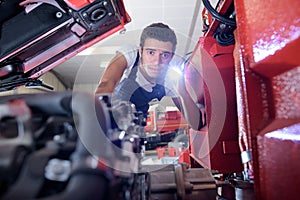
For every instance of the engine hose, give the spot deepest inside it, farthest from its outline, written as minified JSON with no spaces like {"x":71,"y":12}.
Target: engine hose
{"x":224,"y":38}
{"x":217,"y":15}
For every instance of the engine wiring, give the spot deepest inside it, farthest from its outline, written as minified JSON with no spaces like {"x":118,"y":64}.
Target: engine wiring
{"x":224,"y":32}
{"x":217,"y":15}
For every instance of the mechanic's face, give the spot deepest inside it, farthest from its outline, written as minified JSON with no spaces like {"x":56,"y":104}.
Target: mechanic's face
{"x":155,"y":57}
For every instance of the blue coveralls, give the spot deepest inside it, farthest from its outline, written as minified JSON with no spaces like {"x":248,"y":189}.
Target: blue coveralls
{"x":130,"y":90}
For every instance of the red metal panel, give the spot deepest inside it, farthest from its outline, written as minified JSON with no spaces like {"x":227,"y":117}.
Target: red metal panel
{"x":269,"y":29}
{"x":268,"y":93}
{"x":217,"y":147}
{"x":77,"y":4}
{"x":279,"y":163}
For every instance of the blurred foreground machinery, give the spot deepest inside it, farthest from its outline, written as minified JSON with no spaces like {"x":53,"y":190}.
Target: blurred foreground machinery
{"x":78,"y":146}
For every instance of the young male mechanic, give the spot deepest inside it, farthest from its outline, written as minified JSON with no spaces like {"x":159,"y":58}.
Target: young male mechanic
{"x":137,"y":74}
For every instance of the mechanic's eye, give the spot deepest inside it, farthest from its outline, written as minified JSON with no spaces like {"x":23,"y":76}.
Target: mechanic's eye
{"x":151,"y":52}
{"x":165,"y":55}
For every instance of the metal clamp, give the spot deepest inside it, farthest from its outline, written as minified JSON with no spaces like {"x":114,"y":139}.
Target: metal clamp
{"x":246,"y":156}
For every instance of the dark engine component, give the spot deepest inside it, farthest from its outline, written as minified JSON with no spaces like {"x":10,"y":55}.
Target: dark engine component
{"x":180,"y":182}
{"x":43,"y":156}
{"x":80,"y":146}
{"x":37,"y":35}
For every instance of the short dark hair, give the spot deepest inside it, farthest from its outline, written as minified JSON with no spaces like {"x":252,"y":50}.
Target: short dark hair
{"x":159,"y":31}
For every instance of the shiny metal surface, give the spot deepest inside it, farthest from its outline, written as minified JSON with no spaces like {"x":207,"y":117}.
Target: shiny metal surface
{"x":267,"y":74}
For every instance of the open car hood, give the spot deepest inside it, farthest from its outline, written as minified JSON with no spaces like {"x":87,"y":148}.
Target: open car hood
{"x":38,"y":35}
